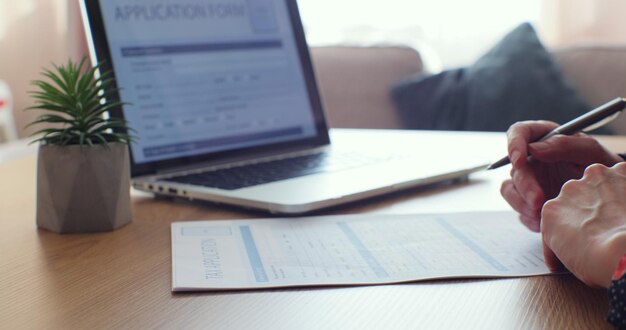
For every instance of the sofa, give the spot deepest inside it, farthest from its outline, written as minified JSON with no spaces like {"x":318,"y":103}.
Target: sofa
{"x":355,"y":81}
{"x":598,"y":73}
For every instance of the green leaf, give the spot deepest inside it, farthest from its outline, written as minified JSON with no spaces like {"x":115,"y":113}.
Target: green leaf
{"x":60,"y":83}
{"x":71,"y":98}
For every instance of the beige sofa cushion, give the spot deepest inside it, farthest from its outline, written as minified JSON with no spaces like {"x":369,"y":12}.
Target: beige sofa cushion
{"x":355,"y":83}
{"x":598,"y":73}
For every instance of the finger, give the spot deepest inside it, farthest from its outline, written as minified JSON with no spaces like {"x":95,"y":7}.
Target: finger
{"x":593,"y":175}
{"x":526,"y":184}
{"x":578,"y":149}
{"x":521,"y":134}
{"x":549,"y":215}
{"x":532,"y":223}
{"x":620,"y":168}
{"x":511,"y":196}
{"x":528,"y":216}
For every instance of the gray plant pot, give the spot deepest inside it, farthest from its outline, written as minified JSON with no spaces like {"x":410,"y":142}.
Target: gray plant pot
{"x":83,"y":189}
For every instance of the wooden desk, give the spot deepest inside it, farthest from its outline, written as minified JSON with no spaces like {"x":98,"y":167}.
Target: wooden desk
{"x":122,"y":279}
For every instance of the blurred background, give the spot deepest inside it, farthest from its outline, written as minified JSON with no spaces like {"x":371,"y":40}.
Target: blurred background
{"x":448,"y":33}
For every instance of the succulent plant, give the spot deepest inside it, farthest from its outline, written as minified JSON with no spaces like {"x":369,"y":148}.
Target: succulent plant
{"x":76,"y":100}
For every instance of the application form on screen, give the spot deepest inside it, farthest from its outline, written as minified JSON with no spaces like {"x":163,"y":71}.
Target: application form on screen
{"x":206,"y":76}
{"x":351,"y":250}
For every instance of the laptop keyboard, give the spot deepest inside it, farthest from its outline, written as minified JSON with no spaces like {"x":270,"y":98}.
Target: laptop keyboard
{"x":274,"y":170}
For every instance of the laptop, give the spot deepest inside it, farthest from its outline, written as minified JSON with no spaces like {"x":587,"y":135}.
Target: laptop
{"x":223,"y":102}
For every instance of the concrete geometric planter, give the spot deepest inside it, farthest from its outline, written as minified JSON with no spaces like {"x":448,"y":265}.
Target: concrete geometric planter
{"x":83,"y":189}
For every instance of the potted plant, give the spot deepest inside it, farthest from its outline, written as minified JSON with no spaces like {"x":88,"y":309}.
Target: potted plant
{"x":83,"y":170}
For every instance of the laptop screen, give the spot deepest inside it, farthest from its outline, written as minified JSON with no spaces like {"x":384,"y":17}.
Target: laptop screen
{"x":205,"y":76}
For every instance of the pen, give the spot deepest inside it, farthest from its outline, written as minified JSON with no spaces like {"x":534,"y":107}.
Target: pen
{"x":589,"y":121}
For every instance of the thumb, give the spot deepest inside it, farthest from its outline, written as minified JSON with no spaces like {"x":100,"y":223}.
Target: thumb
{"x":554,"y":264}
{"x":576,"y":149}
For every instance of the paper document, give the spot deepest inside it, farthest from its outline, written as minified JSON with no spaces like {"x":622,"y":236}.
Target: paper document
{"x":351,"y":250}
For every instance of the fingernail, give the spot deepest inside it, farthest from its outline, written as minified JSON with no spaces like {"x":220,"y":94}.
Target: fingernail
{"x":515,"y":156}
{"x":539,"y":146}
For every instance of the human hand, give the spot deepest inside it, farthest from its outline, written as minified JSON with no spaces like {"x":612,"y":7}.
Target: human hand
{"x":584,"y":228}
{"x":553,"y":162}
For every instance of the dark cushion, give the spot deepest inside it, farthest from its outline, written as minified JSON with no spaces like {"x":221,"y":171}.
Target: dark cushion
{"x":516,"y":80}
